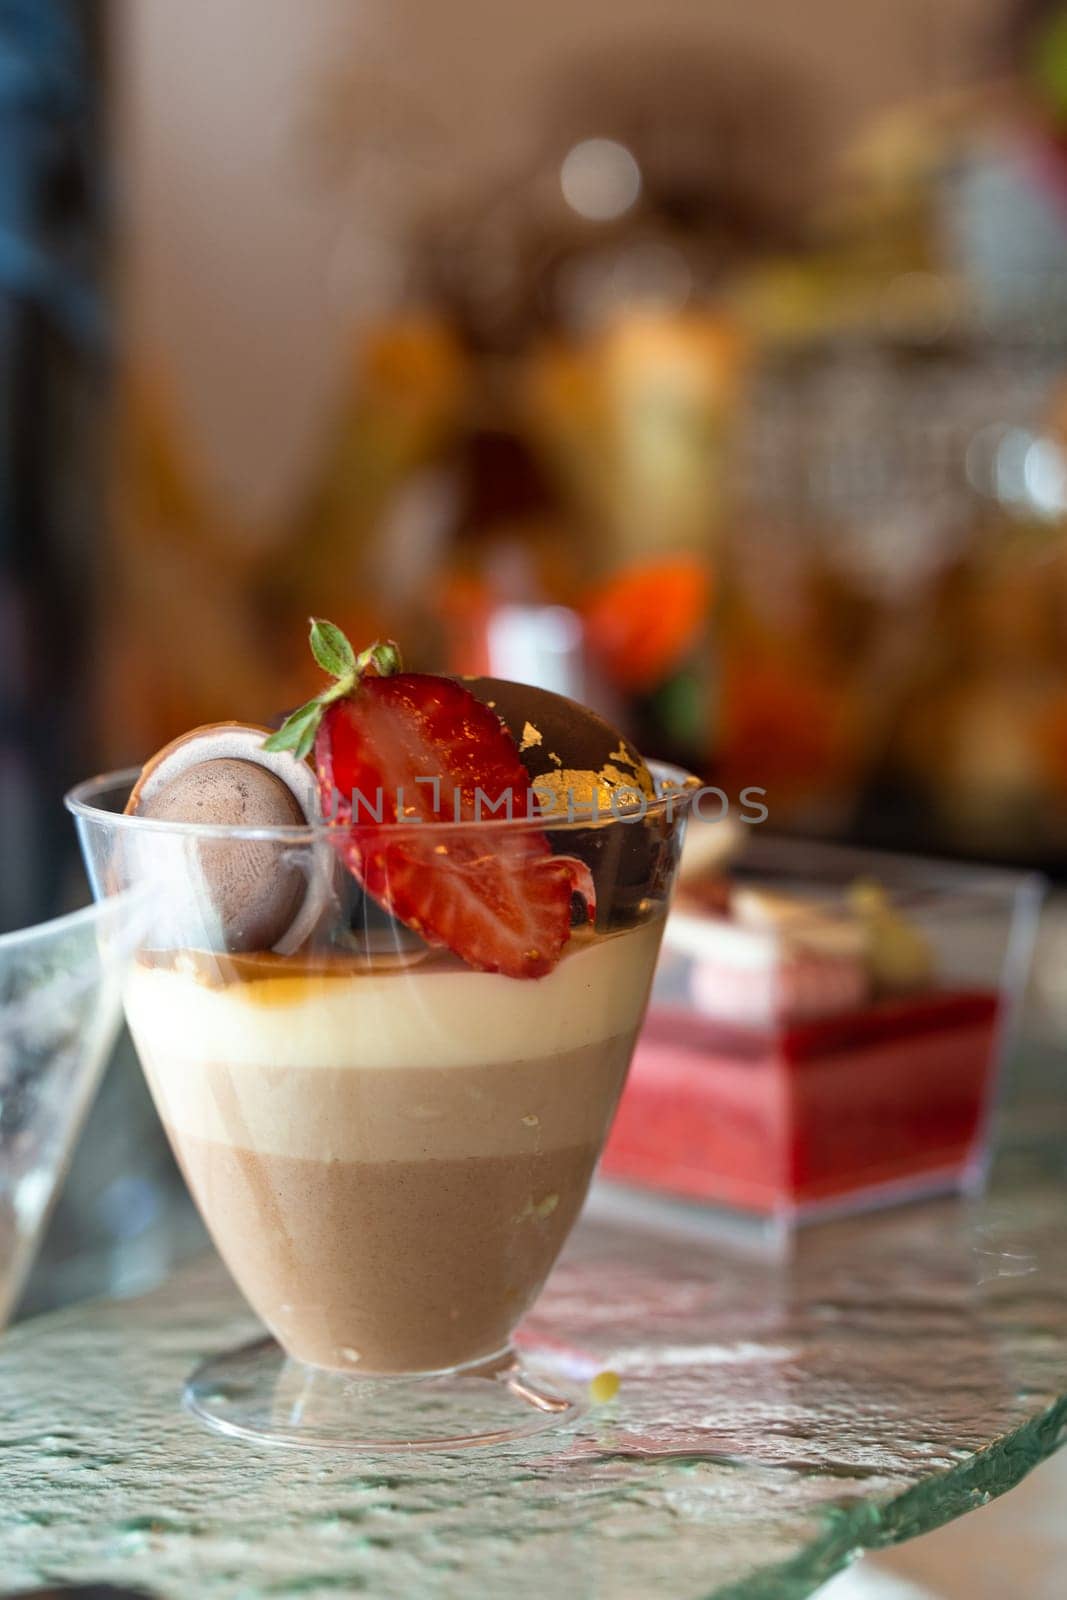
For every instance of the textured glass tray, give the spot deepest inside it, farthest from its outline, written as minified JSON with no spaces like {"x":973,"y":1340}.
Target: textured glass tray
{"x":774,"y":1418}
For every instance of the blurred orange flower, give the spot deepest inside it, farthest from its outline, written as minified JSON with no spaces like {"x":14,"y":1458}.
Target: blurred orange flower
{"x":645,"y":620}
{"x":782,"y":727}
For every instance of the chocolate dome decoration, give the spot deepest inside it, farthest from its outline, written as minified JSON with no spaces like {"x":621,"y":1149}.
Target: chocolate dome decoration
{"x":220,"y":775}
{"x":565,"y":747}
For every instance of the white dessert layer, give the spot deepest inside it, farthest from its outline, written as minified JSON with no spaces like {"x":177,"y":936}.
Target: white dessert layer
{"x":765,"y":976}
{"x":428,"y":1059}
{"x":760,"y":935}
{"x":418,"y":1016}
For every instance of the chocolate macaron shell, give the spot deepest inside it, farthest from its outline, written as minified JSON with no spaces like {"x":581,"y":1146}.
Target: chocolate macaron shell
{"x":574,"y":752}
{"x":245,"y":894}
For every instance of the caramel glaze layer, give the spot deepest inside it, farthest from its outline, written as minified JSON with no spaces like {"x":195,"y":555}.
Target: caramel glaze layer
{"x":219,"y":969}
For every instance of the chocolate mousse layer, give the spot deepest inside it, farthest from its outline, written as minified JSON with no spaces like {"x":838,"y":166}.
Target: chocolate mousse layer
{"x":390,"y":1163}
{"x":421,"y":1261}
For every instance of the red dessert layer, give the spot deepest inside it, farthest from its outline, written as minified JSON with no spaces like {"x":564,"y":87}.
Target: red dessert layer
{"x":775,"y":1120}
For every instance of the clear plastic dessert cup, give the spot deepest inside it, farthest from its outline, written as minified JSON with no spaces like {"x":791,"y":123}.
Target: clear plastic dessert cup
{"x":59,"y":1014}
{"x":388,"y":1146}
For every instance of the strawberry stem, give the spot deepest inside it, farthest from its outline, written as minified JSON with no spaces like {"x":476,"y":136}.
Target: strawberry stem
{"x":380,"y":660}
{"x":335,"y":656}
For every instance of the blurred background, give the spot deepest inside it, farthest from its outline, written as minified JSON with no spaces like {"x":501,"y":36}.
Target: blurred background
{"x":707,"y":361}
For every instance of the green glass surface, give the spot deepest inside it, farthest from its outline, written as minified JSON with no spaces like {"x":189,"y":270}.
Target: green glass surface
{"x":775,"y":1418}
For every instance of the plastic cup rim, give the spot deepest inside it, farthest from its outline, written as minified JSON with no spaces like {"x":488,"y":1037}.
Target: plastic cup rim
{"x":675,"y":789}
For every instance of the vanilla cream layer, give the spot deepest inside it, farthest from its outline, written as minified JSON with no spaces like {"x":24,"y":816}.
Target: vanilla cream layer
{"x":439,"y":1014}
{"x":431,"y":1060}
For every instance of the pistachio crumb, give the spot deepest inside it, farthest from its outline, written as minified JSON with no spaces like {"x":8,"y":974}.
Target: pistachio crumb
{"x":539,"y":1209}
{"x":604,"y":1387}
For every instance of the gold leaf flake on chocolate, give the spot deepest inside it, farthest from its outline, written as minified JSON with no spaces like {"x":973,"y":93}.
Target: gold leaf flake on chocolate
{"x":638,"y":778}
{"x":581,"y":790}
{"x":627,"y":758}
{"x":530,"y":736}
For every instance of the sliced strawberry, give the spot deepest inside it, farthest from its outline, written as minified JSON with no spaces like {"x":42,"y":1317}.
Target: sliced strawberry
{"x":426,"y":743}
{"x":393,"y":746}
{"x":496,"y":896}
{"x":503,"y":907}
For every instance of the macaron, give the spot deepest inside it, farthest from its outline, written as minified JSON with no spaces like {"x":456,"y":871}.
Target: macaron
{"x":244,"y":894}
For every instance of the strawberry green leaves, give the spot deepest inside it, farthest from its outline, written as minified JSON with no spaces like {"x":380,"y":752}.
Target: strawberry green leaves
{"x":297,"y":732}
{"x":331,"y":649}
{"x":335,"y":655}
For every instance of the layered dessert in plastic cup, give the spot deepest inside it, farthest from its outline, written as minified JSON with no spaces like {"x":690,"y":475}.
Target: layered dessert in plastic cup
{"x":826,"y":1033}
{"x":390,"y":1157}
{"x":386,"y":1009}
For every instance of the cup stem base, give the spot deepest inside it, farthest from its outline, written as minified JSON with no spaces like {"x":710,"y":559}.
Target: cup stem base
{"x":256,"y":1392}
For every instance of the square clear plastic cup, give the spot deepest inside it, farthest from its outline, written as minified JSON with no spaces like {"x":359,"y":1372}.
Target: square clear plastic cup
{"x":827,"y":1032}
